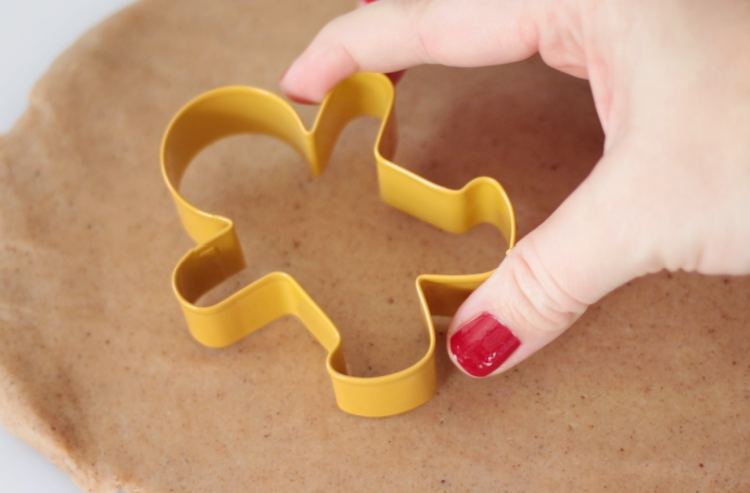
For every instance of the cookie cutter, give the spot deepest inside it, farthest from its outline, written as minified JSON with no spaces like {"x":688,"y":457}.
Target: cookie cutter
{"x":218,"y":254}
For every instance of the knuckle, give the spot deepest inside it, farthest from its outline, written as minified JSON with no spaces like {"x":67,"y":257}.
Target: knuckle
{"x":533,"y":299}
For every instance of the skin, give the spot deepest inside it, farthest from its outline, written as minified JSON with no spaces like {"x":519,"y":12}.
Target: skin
{"x":671,"y":84}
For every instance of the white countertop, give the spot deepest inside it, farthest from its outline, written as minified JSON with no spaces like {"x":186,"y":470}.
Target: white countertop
{"x":32,"y":34}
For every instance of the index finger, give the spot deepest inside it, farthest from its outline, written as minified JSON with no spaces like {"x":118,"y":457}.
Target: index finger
{"x":393,"y":35}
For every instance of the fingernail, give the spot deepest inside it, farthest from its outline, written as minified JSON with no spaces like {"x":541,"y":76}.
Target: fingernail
{"x":300,"y":100}
{"x":482,"y":345}
{"x":396,"y":76}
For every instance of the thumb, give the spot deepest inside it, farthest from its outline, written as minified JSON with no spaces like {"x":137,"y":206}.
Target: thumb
{"x":586,"y":248}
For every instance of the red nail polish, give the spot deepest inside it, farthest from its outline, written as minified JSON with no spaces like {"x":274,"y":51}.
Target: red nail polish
{"x":396,"y":76}
{"x":300,"y":100}
{"x":482,"y":345}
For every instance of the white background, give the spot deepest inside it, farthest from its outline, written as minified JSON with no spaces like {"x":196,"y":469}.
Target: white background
{"x":32,"y":34}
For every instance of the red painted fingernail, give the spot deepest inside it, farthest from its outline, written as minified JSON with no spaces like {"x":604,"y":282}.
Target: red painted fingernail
{"x":396,"y":76}
{"x":482,"y":345}
{"x":300,"y":100}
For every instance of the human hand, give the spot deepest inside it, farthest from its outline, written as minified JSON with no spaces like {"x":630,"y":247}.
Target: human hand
{"x":671,"y":84}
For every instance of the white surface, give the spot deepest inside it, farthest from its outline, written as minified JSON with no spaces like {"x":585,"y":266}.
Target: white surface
{"x":24,"y":470}
{"x":32,"y":34}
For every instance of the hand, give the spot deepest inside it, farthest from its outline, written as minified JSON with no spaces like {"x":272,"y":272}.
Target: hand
{"x":671,"y":84}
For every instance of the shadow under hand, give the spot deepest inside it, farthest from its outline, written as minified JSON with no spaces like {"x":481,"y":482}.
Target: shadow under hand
{"x":532,"y":128}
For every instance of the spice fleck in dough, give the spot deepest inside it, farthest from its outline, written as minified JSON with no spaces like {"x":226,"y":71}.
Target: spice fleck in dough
{"x":650,"y":391}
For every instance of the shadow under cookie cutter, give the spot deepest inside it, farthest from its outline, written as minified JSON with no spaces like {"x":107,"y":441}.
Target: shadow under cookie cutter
{"x":233,"y":110}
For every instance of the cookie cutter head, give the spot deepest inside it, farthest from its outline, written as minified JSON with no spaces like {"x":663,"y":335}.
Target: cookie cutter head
{"x":232,"y":110}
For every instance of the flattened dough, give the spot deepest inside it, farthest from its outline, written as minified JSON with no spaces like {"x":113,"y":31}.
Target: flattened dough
{"x":650,"y":391}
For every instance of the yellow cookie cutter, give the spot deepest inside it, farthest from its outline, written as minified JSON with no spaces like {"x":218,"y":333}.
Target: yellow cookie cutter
{"x":232,"y":110}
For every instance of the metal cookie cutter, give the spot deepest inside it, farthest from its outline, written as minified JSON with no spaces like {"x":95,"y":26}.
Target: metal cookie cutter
{"x":232,"y":110}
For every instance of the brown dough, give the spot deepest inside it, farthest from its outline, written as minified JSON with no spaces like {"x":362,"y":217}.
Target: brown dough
{"x":650,"y":391}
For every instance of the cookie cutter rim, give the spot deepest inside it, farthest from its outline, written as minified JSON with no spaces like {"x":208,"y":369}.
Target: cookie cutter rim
{"x":232,"y":110}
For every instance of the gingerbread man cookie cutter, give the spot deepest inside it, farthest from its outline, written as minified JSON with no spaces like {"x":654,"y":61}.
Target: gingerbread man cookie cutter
{"x":218,"y":255}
